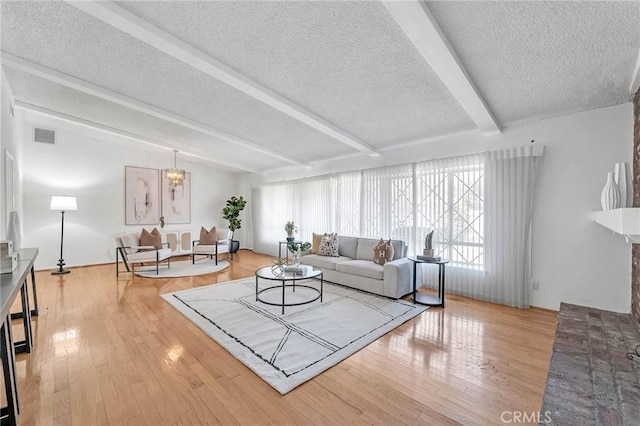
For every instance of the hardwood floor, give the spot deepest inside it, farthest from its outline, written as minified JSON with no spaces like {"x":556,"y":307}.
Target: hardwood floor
{"x":113,"y":352}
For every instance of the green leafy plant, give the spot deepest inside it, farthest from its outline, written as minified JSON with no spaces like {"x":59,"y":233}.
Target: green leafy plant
{"x":290,"y":228}
{"x":294,"y":247}
{"x":232,"y":211}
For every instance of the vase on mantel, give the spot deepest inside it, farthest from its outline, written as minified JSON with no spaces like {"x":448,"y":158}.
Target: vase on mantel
{"x":610,"y":197}
{"x":622,"y":178}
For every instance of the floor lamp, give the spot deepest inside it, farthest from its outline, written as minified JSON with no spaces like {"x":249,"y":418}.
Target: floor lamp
{"x":62,"y":203}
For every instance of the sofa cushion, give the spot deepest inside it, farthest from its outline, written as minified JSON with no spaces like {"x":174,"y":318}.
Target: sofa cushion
{"x":329,"y":245}
{"x":131,"y":240}
{"x":149,"y":256}
{"x":365,"y":248}
{"x":364,"y":268}
{"x":399,"y":249}
{"x":315,"y":242}
{"x":383,"y":252}
{"x":348,"y":246}
{"x":224,"y":235}
{"x":325,"y":262}
{"x":208,"y":237}
{"x":211,"y":248}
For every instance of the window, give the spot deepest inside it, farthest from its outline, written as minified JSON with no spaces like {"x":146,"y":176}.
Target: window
{"x":451,"y":202}
{"x":400,"y":202}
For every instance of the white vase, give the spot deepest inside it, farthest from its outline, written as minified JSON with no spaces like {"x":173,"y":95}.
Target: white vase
{"x":13,"y":230}
{"x":296,"y":258}
{"x":622,"y":178}
{"x":610,"y":197}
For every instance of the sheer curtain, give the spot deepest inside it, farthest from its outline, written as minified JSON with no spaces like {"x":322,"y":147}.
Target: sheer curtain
{"x":308,"y":203}
{"x":479,"y":207}
{"x":510,"y":180}
{"x":450,"y":194}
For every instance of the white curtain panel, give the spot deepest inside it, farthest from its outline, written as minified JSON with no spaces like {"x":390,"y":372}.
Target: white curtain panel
{"x":479,"y":207}
{"x":450,"y":195}
{"x":510,"y":180}
{"x":308,"y":203}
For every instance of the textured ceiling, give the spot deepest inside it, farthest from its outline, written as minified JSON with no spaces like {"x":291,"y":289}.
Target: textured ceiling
{"x":78,"y":104}
{"x":540,"y":59}
{"x":350,"y":63}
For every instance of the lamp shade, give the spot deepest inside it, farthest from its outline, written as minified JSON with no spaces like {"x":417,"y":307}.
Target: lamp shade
{"x":62,"y":202}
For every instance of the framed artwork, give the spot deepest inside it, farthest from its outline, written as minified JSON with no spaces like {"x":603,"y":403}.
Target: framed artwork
{"x":142,"y":196}
{"x":176,"y":201}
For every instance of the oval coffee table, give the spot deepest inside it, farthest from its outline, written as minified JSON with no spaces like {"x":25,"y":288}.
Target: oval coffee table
{"x":268,"y":273}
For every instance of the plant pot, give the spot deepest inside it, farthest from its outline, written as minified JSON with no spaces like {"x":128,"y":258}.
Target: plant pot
{"x":290,"y":238}
{"x":235,"y":246}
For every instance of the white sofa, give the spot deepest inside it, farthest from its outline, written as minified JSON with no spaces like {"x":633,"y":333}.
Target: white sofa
{"x":355,"y":267}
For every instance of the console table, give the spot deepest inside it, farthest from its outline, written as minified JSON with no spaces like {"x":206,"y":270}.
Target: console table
{"x":10,"y":286}
{"x":428,"y":299}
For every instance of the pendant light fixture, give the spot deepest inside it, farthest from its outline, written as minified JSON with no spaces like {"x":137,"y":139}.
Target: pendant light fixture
{"x":175,"y":175}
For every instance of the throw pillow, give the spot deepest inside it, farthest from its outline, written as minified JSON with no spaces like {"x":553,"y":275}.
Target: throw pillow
{"x":208,"y":238}
{"x":383,"y":252}
{"x":315,"y":243}
{"x":152,"y":238}
{"x":329,"y":245}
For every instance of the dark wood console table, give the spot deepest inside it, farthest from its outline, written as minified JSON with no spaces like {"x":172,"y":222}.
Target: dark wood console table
{"x":10,"y":286}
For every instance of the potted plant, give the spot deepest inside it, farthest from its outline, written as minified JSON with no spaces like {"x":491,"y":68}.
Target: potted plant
{"x":290,"y":228}
{"x":231,"y":212}
{"x":296,"y":250}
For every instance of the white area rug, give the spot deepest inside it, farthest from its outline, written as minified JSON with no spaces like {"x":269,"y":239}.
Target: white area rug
{"x":183,"y":268}
{"x":287,"y":350}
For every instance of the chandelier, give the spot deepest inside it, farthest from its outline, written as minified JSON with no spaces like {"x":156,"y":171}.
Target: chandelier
{"x":175,"y":175}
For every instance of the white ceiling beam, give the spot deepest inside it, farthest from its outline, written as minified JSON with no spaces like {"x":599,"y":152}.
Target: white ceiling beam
{"x":635,"y":78}
{"x":421,"y":27}
{"x":109,"y":95}
{"x":119,"y":18}
{"x":124,"y":134}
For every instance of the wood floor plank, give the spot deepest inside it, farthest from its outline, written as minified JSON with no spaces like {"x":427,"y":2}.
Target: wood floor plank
{"x":112,"y":352}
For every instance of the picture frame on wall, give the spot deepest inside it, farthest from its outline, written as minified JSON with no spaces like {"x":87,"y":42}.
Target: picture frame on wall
{"x":142,"y":196}
{"x":176,"y":201}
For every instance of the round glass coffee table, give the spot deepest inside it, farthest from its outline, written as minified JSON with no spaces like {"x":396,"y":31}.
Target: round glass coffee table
{"x":274,"y":274}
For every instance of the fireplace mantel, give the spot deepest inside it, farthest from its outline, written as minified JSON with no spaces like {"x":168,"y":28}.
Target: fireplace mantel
{"x":625,"y":221}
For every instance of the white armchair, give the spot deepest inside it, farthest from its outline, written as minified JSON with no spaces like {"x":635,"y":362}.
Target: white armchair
{"x":129,"y":249}
{"x":212,"y":251}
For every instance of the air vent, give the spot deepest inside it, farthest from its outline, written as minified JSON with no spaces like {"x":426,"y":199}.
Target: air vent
{"x":44,"y":136}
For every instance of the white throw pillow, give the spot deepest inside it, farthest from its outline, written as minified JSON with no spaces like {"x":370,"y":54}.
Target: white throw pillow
{"x":329,"y":245}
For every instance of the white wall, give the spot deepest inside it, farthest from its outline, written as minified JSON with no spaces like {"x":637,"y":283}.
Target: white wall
{"x":90,"y":165}
{"x":574,"y":259}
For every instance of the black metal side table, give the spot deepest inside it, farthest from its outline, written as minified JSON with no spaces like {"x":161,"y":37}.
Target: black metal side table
{"x":428,"y":299}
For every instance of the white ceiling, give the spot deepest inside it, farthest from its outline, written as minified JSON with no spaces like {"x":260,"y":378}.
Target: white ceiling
{"x":263,"y":85}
